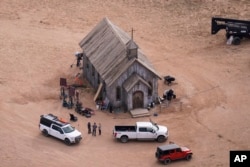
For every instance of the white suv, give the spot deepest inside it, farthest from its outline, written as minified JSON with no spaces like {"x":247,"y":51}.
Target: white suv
{"x":51,"y":125}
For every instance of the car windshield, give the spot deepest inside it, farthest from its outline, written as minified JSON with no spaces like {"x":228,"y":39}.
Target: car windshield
{"x":68,"y":129}
{"x":155,"y":126}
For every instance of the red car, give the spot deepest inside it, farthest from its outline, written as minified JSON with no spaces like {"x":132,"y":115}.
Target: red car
{"x":171,"y":152}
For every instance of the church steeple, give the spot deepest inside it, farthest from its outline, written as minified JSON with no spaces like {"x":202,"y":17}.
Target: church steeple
{"x":132,"y":47}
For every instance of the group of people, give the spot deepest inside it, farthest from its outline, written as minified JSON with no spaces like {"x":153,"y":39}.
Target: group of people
{"x":92,"y":129}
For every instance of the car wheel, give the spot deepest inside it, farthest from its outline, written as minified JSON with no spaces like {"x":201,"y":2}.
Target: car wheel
{"x":188,"y":157}
{"x":236,"y":41}
{"x":67,"y":141}
{"x":45,"y":132}
{"x":167,"y":161}
{"x":124,"y":139}
{"x":161,"y":139}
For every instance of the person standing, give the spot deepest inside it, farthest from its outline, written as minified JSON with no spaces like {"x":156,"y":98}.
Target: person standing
{"x":89,"y":127}
{"x":110,"y":108}
{"x":94,"y":129}
{"x":99,"y":129}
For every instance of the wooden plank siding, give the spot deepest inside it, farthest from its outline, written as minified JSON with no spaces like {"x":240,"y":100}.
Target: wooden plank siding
{"x":146,"y":75}
{"x":106,"y":60}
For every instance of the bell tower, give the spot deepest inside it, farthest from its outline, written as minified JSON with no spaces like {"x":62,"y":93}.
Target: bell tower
{"x":132,"y":47}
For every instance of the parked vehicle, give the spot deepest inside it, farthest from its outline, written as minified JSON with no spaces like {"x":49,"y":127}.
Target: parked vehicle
{"x":141,"y":131}
{"x":236,"y":29}
{"x":171,"y":152}
{"x":51,"y":125}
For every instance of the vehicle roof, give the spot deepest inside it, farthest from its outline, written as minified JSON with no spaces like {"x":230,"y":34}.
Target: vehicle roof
{"x":143,"y":123}
{"x":168,"y":147}
{"x":55,"y":119}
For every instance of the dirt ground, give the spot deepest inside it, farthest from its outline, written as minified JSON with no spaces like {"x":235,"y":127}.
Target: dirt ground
{"x":38,"y":40}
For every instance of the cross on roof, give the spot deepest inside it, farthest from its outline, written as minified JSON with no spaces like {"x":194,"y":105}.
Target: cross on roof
{"x":132,"y":33}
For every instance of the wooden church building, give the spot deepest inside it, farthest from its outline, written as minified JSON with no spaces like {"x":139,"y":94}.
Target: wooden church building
{"x":117,"y":69}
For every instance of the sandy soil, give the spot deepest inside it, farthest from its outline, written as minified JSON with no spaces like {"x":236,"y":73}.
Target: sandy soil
{"x":38,"y":40}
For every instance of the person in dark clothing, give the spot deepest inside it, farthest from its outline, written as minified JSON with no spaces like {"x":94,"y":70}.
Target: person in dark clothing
{"x":94,"y":129}
{"x":89,"y":127}
{"x":99,"y":129}
{"x":110,"y":108}
{"x":62,"y":93}
{"x":78,"y":59}
{"x":77,"y":96}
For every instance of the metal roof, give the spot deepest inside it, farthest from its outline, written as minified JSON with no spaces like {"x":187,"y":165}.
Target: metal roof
{"x":106,"y":48}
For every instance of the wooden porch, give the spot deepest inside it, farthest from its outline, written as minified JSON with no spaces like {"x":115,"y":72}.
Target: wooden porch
{"x":139,"y":112}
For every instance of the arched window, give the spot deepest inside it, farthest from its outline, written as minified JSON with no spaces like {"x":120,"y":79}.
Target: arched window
{"x":118,"y":93}
{"x":150,"y":89}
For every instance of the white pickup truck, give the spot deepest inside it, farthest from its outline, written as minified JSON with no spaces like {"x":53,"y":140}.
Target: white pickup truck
{"x":141,"y":131}
{"x":51,"y":125}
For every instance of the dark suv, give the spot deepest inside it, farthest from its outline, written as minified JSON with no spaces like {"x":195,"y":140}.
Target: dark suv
{"x":170,"y":152}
